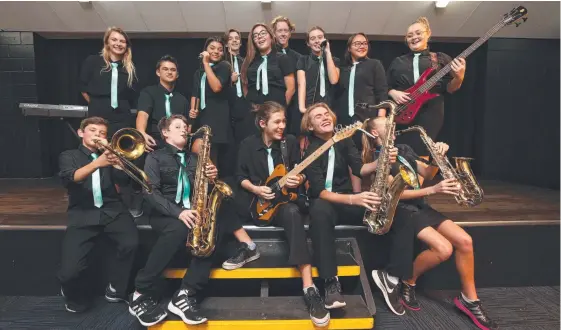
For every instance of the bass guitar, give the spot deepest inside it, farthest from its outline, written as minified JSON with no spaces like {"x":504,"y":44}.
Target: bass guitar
{"x":420,"y":91}
{"x":262,"y":210}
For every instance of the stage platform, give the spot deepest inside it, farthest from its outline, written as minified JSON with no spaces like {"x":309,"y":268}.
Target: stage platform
{"x":41,"y":204}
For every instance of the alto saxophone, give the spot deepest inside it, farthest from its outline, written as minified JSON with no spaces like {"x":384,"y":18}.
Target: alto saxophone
{"x":380,"y":221}
{"x":471,"y":193}
{"x":201,"y":240}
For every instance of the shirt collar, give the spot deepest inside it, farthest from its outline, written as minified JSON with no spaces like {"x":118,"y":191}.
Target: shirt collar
{"x":423,"y":52}
{"x":314,"y":57}
{"x":85,"y":150}
{"x":165,"y":90}
{"x":172,"y":149}
{"x":260,"y":145}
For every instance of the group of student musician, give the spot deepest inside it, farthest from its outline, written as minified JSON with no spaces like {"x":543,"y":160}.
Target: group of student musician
{"x":273,"y":96}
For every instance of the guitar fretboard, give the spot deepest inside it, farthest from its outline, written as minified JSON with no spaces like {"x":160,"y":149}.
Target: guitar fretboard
{"x":313,"y":156}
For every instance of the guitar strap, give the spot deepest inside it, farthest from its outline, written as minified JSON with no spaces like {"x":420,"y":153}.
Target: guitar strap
{"x":434,"y":60}
{"x":284,"y":154}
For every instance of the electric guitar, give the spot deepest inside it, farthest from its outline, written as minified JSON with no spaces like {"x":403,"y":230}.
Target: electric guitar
{"x":420,"y":91}
{"x":262,"y":210}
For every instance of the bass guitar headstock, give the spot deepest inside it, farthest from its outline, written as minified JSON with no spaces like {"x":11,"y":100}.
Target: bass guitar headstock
{"x":346,"y":132}
{"x":516,"y":16}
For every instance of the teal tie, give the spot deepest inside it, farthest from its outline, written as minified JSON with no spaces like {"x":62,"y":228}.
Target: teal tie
{"x":352,"y":91}
{"x":168,"y":106}
{"x":238,"y":83}
{"x":284,"y":51}
{"x":96,"y":186}
{"x":330,"y":169}
{"x":270,"y":163}
{"x":114,"y":83}
{"x":183,"y":186}
{"x":321,"y":77}
{"x":416,"y":67}
{"x":262,"y":70}
{"x":203,"y":89}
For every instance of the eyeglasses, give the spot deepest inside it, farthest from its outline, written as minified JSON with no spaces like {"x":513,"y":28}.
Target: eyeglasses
{"x":358,"y":44}
{"x":416,"y":34}
{"x":259,"y":35}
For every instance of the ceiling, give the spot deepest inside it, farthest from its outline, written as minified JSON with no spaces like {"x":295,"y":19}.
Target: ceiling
{"x":460,"y":19}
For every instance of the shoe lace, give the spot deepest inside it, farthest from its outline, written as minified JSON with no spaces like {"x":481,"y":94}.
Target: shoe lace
{"x":478,"y":308}
{"x":191,"y":301}
{"x":148,"y":304}
{"x":240,"y":255}
{"x":334,"y":287}
{"x":409,"y":292}
{"x":315,"y":300}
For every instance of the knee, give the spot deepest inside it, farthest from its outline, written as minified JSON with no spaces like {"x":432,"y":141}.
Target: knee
{"x":465,"y":244}
{"x":292,"y":214}
{"x":320,"y":211}
{"x":444,"y":250}
{"x":176,"y":232}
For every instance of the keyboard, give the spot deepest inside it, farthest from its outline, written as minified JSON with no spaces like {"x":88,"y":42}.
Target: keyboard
{"x":56,"y":110}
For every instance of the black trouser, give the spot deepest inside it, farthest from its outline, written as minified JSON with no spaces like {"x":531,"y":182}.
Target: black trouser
{"x":402,"y":235}
{"x":324,"y":216}
{"x":79,"y":241}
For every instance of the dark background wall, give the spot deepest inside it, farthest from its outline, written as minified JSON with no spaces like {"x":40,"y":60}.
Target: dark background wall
{"x":508,"y":102}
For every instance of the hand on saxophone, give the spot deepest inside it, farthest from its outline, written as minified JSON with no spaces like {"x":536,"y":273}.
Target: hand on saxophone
{"x":448,"y":186}
{"x":366,"y":199}
{"x":441,"y":148}
{"x":211,"y":171}
{"x":393,"y":155}
{"x":190,"y":218}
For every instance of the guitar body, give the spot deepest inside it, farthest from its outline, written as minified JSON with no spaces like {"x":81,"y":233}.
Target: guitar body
{"x":262,"y":211}
{"x":406,"y":115}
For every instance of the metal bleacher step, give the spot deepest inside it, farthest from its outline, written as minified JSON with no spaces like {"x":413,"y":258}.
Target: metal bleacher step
{"x":273,"y":263}
{"x":271,"y":313}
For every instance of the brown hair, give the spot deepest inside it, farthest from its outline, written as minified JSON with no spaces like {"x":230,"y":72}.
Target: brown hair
{"x":348,"y":57}
{"x":251,"y":51}
{"x":285,"y":19}
{"x":313,"y":29}
{"x":424,"y":22}
{"x":165,"y":122}
{"x":305,"y":124}
{"x":265,"y":111}
{"x":127,"y":57}
{"x":368,"y":144}
{"x":227,"y":35}
{"x":93,"y":121}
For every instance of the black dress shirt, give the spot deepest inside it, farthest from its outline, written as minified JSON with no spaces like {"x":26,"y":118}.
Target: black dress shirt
{"x":346,"y":154}
{"x":152,"y":100}
{"x":216,"y":114}
{"x":370,"y":87}
{"x":238,"y":106}
{"x":278,"y":67}
{"x":252,"y":158}
{"x":310,"y":65}
{"x":162,"y":168}
{"x":81,"y":208}
{"x":96,"y":81}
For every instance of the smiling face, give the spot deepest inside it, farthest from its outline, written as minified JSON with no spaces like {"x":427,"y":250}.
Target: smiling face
{"x":315,"y":38}
{"x":167,"y":72}
{"x":417,"y":37}
{"x":261,"y":39}
{"x":282,"y":33}
{"x":275,"y":125}
{"x":176,"y":133}
{"x":234,"y":41}
{"x":116,"y":43}
{"x":359,"y":47}
{"x":321,"y":121}
{"x":216,"y":51}
{"x":92,"y":132}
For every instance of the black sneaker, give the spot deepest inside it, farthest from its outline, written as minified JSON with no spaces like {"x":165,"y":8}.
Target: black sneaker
{"x":112,"y":296}
{"x":74,"y":305}
{"x":318,"y":313}
{"x":476,"y":313}
{"x":146,"y":310}
{"x":333,"y":296}
{"x":389,"y":290}
{"x":242,"y":257}
{"x":184,"y":304}
{"x":408,"y":297}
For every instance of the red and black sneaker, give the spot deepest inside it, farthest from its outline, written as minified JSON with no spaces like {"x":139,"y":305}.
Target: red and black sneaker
{"x":476,"y":313}
{"x":408,"y":297}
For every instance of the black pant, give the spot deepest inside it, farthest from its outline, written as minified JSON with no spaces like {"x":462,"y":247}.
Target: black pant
{"x":288,"y":216}
{"x":79,"y":241}
{"x":324,"y":216}
{"x":402,"y":235}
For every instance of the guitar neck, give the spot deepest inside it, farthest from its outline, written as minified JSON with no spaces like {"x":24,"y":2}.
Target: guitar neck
{"x":306,"y":162}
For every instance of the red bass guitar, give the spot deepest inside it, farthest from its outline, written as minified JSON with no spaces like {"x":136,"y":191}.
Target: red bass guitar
{"x":420,"y":92}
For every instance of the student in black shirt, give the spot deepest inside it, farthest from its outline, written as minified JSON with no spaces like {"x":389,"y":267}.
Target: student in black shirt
{"x":441,"y":235}
{"x":258,"y":156}
{"x":316,"y":79}
{"x":210,"y":90}
{"x":402,"y":75}
{"x":331,"y":194}
{"x":172,"y":219}
{"x":239,"y":107}
{"x":107,"y":79}
{"x":282,"y":28}
{"x":362,"y":80}
{"x":158,"y":101}
{"x":267,"y":75}
{"x":94,"y":207}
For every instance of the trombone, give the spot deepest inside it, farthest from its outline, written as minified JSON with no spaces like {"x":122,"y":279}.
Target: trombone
{"x":128,"y":144}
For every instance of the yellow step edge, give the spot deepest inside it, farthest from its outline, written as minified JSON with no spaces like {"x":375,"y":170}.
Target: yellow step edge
{"x":241,"y":273}
{"x":351,"y":323}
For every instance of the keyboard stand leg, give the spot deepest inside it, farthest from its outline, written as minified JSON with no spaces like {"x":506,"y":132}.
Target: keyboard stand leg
{"x":70,"y":128}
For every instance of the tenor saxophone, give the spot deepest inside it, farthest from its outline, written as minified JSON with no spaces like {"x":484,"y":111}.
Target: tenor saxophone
{"x":201,"y":240}
{"x":471,"y":193}
{"x":380,"y":221}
